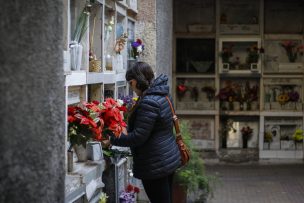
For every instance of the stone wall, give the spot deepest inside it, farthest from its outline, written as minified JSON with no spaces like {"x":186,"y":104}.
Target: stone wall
{"x":164,"y":49}
{"x":146,"y":30}
{"x":32,"y":124}
{"x":239,"y":155}
{"x":154,"y":26}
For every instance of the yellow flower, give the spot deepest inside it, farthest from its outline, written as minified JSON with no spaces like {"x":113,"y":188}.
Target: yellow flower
{"x":283,"y":98}
{"x":298,"y":135}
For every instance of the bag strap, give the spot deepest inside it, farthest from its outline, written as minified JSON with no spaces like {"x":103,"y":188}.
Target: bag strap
{"x":175,"y":119}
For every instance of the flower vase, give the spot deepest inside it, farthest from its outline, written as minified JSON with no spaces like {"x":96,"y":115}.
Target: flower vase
{"x":76,"y":55}
{"x":224,"y":141}
{"x":231,"y":106}
{"x":266,"y":145}
{"x":70,"y":161}
{"x":254,"y":106}
{"x":248,"y":106}
{"x":291,"y":57}
{"x":245,"y":142}
{"x":236,"y":106}
{"x":224,"y":105}
{"x":81,"y":152}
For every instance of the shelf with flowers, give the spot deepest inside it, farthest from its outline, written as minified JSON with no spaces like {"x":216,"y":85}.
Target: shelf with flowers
{"x":283,"y":56}
{"x":283,"y":133}
{"x":239,"y":132}
{"x":195,"y":94}
{"x":240,"y":55}
{"x":239,"y":95}
{"x":283,"y":94}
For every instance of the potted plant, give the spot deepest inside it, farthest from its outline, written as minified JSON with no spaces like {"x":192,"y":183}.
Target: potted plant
{"x":93,"y":121}
{"x":192,"y":177}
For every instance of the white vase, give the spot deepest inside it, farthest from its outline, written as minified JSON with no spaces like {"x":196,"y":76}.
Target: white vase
{"x":81,"y":152}
{"x":76,"y":55}
{"x":236,"y":106}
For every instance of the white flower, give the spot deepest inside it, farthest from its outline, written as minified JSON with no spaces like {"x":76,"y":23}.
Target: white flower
{"x":139,"y":49}
{"x":120,"y":102}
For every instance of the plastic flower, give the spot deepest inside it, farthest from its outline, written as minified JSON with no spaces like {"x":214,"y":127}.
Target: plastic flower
{"x":254,"y":53}
{"x":103,"y":198}
{"x":113,"y":119}
{"x":128,"y":196}
{"x":181,"y":90}
{"x":292,"y":49}
{"x":246,"y":132}
{"x":94,"y":120}
{"x":84,"y":123}
{"x":298,"y":135}
{"x":210,"y":91}
{"x":293,"y":96}
{"x":137,"y":47}
{"x":283,"y":98}
{"x":268,"y":137}
{"x":226,"y":53}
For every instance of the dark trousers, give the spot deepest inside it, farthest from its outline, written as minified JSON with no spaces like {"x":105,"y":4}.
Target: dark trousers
{"x":159,"y":190}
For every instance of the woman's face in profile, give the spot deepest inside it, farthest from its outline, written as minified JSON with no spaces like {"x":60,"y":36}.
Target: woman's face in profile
{"x":133,"y":84}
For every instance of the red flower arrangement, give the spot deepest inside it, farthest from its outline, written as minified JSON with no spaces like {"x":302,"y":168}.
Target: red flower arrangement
{"x":246,"y":132}
{"x":94,"y":120}
{"x":254,"y":53}
{"x":292,"y":49}
{"x":137,"y":47}
{"x":210,"y":91}
{"x":131,"y":188}
{"x":181,"y":90}
{"x":128,"y":196}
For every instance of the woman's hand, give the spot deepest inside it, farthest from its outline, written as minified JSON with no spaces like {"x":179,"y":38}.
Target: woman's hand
{"x":124,"y":131}
{"x":106,"y":143}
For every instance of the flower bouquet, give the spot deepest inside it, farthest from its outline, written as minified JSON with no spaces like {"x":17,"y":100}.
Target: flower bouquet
{"x":128,"y":196}
{"x":226,"y":54}
{"x":128,"y":102}
{"x":94,"y":121}
{"x":137,"y":48}
{"x":246,"y":135}
{"x":292,"y":50}
{"x":181,"y":91}
{"x":298,"y":135}
{"x":254,"y":54}
{"x":210,"y":91}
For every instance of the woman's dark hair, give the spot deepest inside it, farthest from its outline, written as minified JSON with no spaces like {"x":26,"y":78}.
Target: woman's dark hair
{"x":142,"y":73}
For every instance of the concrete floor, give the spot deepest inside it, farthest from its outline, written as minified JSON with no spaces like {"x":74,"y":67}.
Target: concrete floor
{"x":258,"y":183}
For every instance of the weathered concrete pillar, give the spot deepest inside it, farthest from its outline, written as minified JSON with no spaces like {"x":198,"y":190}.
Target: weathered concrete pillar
{"x":164,"y":30}
{"x":32,"y":150}
{"x":154,"y":26}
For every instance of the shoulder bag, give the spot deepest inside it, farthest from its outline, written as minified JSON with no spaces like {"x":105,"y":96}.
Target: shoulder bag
{"x":184,"y":151}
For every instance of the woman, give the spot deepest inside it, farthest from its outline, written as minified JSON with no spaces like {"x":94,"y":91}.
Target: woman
{"x":150,"y":134}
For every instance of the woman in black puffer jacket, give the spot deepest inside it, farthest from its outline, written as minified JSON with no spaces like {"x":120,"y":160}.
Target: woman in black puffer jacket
{"x":150,"y":134}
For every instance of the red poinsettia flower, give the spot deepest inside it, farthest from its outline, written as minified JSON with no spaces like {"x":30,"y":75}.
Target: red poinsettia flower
{"x":71,"y":110}
{"x":123,"y":108}
{"x":92,"y":106}
{"x":136,"y":189}
{"x":71,"y":119}
{"x":116,"y":127}
{"x":96,"y":102}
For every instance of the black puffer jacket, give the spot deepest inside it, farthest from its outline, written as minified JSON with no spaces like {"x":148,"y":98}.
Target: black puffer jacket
{"x":150,"y":134}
